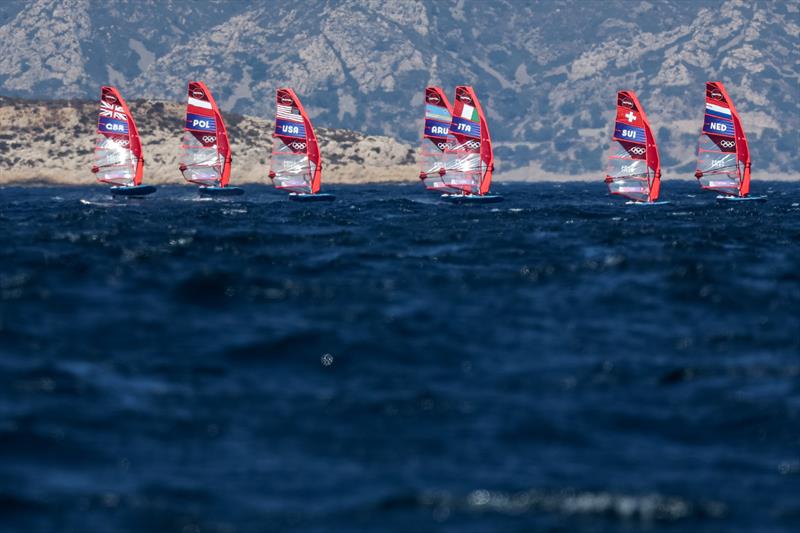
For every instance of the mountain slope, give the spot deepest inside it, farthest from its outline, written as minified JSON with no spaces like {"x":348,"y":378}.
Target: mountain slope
{"x":53,"y":141}
{"x":546,"y":71}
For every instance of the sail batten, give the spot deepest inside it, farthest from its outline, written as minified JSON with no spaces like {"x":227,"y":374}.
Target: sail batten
{"x":468,"y":154}
{"x":205,"y":157}
{"x":118,"y":149}
{"x":634,"y":167}
{"x":296,"y":163}
{"x":723,"y":155}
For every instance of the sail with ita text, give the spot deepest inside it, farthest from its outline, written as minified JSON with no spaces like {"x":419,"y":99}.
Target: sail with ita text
{"x":118,"y":157}
{"x":205,"y":157}
{"x":468,"y":158}
{"x":296,"y":163}
{"x":634,"y":168}
{"x":438,"y":115}
{"x":723,"y":155}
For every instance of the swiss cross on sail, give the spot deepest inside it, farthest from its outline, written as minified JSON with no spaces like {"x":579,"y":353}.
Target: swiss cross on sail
{"x":118,"y":149}
{"x":469,"y":158}
{"x":634,"y":168}
{"x":436,"y":128}
{"x":296,"y":163}
{"x":723,"y":155}
{"x":205,"y":157}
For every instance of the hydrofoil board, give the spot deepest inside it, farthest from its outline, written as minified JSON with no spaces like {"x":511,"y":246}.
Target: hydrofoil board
{"x":727,"y":198}
{"x":305,"y":197}
{"x":134,"y":190}
{"x":472,"y":198}
{"x":209,"y":190}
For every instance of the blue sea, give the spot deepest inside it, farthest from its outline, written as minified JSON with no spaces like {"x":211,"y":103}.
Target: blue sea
{"x":557,"y":362}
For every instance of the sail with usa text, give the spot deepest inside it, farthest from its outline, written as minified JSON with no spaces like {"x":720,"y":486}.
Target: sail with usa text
{"x":296,"y":162}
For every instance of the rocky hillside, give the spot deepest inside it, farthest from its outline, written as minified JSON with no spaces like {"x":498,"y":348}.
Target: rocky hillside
{"x":546,"y":70}
{"x":54,"y":141}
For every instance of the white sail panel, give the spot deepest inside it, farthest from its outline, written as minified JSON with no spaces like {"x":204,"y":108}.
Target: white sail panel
{"x":114,"y":160}
{"x":291,"y":165}
{"x":200,"y":159}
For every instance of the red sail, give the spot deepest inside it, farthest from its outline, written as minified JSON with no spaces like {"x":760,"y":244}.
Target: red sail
{"x":438,"y":115}
{"x":206,"y":156}
{"x":118,"y":149}
{"x":723,"y":156}
{"x":634,"y":167}
{"x":296,"y":163}
{"x":469,"y":159}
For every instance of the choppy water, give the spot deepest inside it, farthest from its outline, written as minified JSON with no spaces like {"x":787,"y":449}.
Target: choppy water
{"x":557,"y":362}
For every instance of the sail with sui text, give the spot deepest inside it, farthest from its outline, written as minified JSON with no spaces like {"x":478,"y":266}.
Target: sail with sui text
{"x":634,"y":167}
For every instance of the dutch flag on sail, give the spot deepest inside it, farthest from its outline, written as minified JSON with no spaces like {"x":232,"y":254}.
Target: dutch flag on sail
{"x":718,"y":111}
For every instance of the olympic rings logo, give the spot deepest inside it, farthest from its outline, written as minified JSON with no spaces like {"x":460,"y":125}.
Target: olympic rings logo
{"x":298,"y":145}
{"x":727,"y":144}
{"x":209,"y":139}
{"x":638,"y":150}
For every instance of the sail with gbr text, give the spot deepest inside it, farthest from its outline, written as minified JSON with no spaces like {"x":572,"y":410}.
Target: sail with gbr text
{"x":296,"y":163}
{"x":634,"y":167}
{"x":205,"y":157}
{"x":723,"y":155}
{"x":438,"y":115}
{"x":118,"y":149}
{"x":469,"y":159}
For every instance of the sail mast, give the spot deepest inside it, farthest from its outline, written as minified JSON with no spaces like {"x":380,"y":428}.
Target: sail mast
{"x":653,"y":159}
{"x":223,"y":145}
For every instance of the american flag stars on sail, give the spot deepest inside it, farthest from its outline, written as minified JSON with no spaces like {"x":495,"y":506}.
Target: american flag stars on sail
{"x":289,"y":112}
{"x":112,"y":111}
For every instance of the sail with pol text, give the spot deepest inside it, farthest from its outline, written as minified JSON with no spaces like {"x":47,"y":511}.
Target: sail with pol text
{"x":634,"y":167}
{"x":296,"y":163}
{"x":438,"y":115}
{"x":723,"y":155}
{"x":468,"y":158}
{"x":205,"y":157}
{"x":118,"y":150}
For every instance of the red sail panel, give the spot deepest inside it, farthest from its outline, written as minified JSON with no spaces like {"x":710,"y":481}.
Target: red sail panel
{"x":469,"y":158}
{"x":438,"y":116}
{"x":723,"y":155}
{"x":634,"y":166}
{"x":118,"y":149}
{"x":296,"y":163}
{"x":206,"y":156}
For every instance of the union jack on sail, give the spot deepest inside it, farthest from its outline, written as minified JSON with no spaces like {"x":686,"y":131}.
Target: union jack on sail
{"x":112,"y":111}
